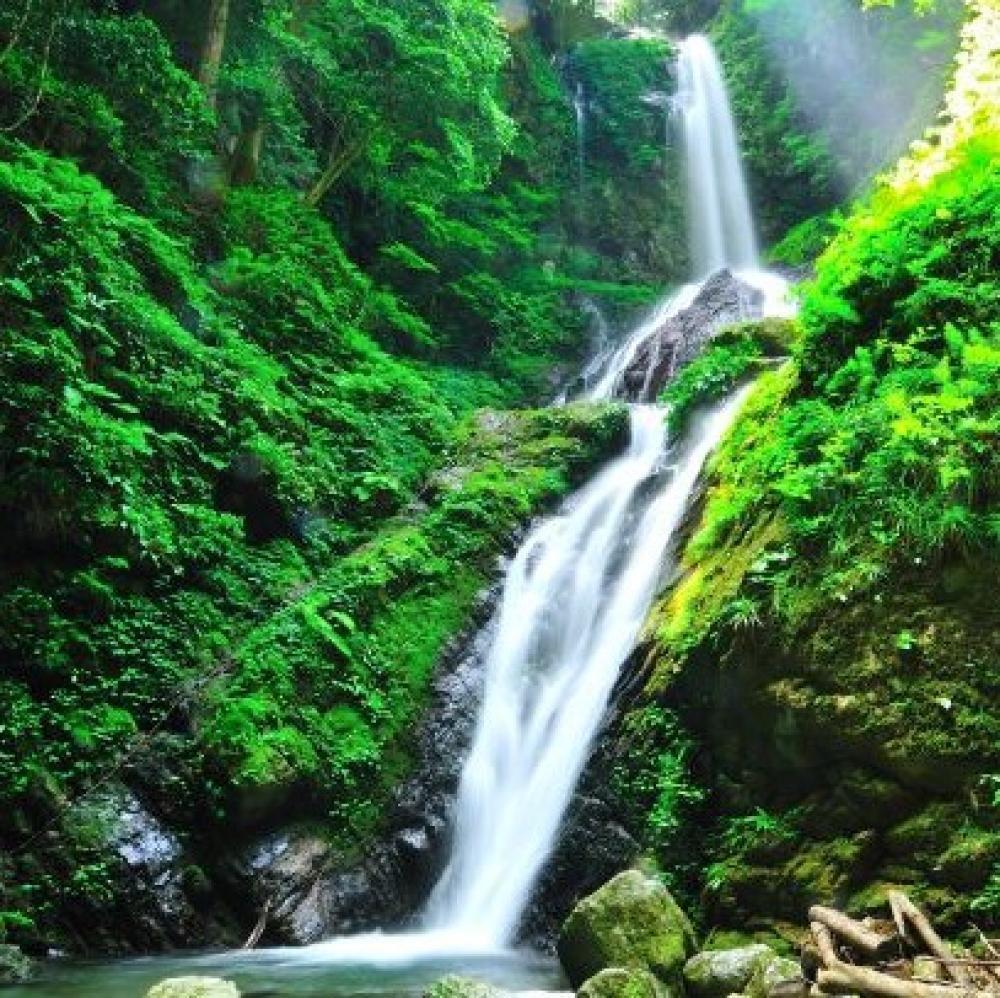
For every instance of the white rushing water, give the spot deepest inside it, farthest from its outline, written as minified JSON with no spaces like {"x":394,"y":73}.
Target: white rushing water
{"x":580,"y":109}
{"x":719,"y":216}
{"x":574,"y":601}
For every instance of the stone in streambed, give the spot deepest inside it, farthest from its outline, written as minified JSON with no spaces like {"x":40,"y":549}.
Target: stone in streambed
{"x":15,"y":967}
{"x":624,"y":982}
{"x":194,"y":987}
{"x":462,"y":987}
{"x":633,"y":922}
{"x":719,"y":973}
{"x":769,"y":972}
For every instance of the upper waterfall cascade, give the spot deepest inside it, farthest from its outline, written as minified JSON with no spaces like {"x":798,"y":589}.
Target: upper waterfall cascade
{"x":721,"y":229}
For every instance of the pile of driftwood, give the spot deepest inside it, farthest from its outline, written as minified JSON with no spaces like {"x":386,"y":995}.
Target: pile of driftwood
{"x":904,"y":958}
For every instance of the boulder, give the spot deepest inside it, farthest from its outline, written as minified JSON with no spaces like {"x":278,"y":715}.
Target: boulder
{"x":722,"y":301}
{"x":194,"y":987}
{"x":633,"y":922}
{"x":15,"y":967}
{"x":461,"y":987}
{"x":768,"y":972}
{"x":718,"y":973}
{"x":623,"y":982}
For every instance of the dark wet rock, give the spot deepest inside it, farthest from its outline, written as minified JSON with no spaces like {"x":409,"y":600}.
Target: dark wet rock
{"x":723,"y":301}
{"x":592,"y":847}
{"x":149,"y":875}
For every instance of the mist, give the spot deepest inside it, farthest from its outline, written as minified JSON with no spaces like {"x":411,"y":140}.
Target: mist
{"x":868,"y":81}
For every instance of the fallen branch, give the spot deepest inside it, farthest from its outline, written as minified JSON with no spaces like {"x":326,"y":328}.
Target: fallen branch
{"x":846,"y":979}
{"x":854,"y":933}
{"x":903,"y":909}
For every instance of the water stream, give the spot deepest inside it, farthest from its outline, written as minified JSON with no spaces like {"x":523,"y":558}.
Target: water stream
{"x":575,"y":597}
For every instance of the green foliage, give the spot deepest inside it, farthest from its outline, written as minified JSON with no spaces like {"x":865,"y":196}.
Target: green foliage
{"x":731,"y":357}
{"x":804,"y":242}
{"x":836,"y":582}
{"x":630,"y":203}
{"x":652,"y":779}
{"x":760,"y":831}
{"x":710,"y":376}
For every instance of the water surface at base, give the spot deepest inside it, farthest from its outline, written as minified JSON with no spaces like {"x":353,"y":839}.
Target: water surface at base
{"x":383,"y":970}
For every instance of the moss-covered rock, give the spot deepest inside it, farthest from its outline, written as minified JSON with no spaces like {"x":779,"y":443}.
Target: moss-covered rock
{"x":624,"y":982}
{"x":770,"y":971}
{"x":194,"y":987}
{"x":633,"y":922}
{"x":454,"y":986}
{"x":718,"y":973}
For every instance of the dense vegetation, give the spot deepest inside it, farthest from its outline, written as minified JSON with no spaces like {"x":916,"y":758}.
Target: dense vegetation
{"x":252,"y":284}
{"x":278,"y":288}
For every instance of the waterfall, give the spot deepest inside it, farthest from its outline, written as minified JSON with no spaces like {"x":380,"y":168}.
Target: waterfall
{"x":580,"y":107}
{"x":575,"y":598}
{"x":579,"y":589}
{"x":721,"y":229}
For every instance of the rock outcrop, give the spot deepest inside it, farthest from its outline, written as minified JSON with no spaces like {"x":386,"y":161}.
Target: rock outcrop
{"x":631,"y":922}
{"x":723,"y":301}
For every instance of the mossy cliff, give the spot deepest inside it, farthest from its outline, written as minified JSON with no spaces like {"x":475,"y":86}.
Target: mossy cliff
{"x":308,"y":714}
{"x":817,"y":716}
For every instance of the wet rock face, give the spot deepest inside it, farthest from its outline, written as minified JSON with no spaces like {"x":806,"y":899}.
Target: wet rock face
{"x":723,"y":301}
{"x":150,"y":874}
{"x":593,"y":847}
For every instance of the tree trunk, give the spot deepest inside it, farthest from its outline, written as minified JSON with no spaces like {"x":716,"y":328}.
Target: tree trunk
{"x":245,"y":158}
{"x":215,"y":42}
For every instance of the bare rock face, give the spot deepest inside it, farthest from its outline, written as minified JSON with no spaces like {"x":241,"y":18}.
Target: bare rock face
{"x":723,"y":301}
{"x":148,"y":865}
